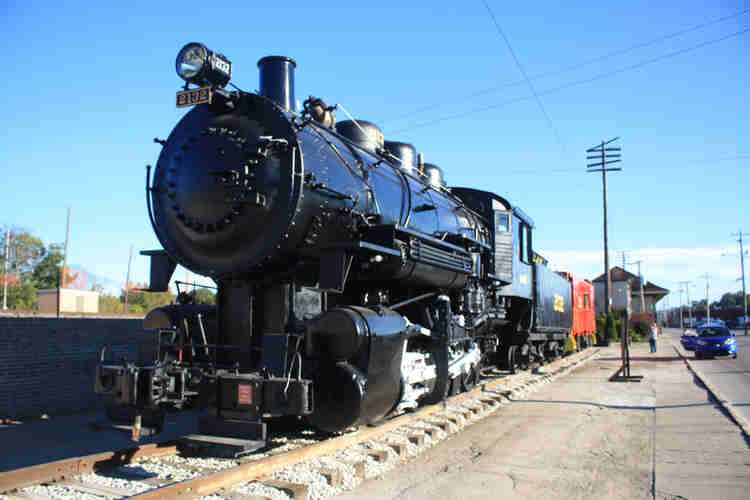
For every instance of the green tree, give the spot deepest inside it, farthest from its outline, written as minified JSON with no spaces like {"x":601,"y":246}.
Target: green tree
{"x":22,"y":297}
{"x":140,"y":302}
{"x":46,"y":274}
{"x":110,"y":304}
{"x":204,"y":296}
{"x":25,"y":252}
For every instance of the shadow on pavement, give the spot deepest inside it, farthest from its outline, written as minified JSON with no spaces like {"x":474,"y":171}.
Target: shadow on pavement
{"x":643,"y":358}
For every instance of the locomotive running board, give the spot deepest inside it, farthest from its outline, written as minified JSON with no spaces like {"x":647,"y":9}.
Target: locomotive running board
{"x":423,"y":248}
{"x":218,"y":446}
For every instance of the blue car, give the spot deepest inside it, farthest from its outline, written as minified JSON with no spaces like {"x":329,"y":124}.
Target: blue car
{"x":688,"y":340}
{"x":715,"y":341}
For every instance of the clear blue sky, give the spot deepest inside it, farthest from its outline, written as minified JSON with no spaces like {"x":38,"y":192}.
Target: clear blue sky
{"x":87,"y":88}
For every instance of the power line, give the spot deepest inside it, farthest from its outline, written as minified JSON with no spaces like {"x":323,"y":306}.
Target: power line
{"x":577,"y":83}
{"x":576,"y":170}
{"x":578,"y":65}
{"x":523,"y":73}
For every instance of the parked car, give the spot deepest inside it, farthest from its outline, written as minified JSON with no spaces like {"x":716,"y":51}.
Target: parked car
{"x":715,"y":341}
{"x":714,"y":322}
{"x":688,"y":339}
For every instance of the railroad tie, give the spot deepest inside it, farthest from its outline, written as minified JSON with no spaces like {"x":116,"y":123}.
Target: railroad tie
{"x":238,"y":495}
{"x":97,"y":489}
{"x":432,"y":432}
{"x":466,"y":413}
{"x":442,"y":424}
{"x":359,"y":467}
{"x":296,"y":490}
{"x":399,"y":448}
{"x":456,"y":419}
{"x":334,"y":476}
{"x":417,"y":439}
{"x":378,"y":455}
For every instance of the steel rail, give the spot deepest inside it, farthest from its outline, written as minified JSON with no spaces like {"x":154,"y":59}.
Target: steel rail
{"x":64,"y":469}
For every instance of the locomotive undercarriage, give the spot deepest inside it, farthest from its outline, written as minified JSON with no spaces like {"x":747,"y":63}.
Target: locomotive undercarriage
{"x":344,"y":366}
{"x":510,"y":341}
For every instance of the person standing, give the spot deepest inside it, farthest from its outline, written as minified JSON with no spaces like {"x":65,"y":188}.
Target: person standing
{"x":652,"y":334}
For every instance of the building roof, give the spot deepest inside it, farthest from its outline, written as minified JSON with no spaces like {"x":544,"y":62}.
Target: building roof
{"x":620,"y":274}
{"x":617,"y":274}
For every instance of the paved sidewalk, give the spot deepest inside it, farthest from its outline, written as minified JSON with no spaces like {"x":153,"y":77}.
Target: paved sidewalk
{"x":585,"y":437}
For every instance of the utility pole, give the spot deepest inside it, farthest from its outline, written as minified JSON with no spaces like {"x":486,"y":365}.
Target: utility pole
{"x":61,"y":274}
{"x":708,"y":304}
{"x":740,"y":234}
{"x":687,"y":284}
{"x":624,"y":254}
{"x":640,"y":280}
{"x":682,"y":325}
{"x":604,"y":155}
{"x":127,"y":280}
{"x":5,"y":273}
{"x":65,"y":254}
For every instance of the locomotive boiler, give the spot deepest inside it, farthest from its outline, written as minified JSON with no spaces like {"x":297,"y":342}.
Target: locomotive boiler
{"x":352,"y":282}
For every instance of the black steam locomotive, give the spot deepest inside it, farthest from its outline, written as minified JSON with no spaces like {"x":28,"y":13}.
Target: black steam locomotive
{"x":352,"y":282}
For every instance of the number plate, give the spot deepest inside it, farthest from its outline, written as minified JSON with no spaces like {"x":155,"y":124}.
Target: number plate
{"x":192,"y":97}
{"x":244,"y":394}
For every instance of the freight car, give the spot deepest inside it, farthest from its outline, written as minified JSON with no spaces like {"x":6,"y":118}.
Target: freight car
{"x":352,"y":283}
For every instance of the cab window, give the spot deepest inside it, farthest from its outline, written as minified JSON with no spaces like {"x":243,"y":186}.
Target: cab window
{"x":503,"y":222}
{"x":524,"y":243}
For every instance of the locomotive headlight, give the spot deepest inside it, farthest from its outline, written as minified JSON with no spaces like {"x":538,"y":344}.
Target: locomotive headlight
{"x":197,"y":64}
{"x":190,"y":61}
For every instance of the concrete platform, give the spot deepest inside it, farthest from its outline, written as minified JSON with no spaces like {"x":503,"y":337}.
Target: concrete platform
{"x":585,"y":437}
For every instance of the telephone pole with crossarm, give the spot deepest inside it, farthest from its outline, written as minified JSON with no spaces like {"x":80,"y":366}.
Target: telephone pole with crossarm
{"x":604,"y":156}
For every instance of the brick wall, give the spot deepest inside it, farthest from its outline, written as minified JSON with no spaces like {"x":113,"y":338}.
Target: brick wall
{"x":47,"y":365}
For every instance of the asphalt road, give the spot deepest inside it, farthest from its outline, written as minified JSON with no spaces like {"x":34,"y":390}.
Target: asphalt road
{"x":730,"y":376}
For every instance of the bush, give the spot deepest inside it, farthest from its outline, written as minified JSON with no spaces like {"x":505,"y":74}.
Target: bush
{"x":21,"y":297}
{"x":613,"y":333}
{"x":110,"y":304}
{"x":601,"y":326}
{"x":570,"y":344}
{"x":639,"y":331}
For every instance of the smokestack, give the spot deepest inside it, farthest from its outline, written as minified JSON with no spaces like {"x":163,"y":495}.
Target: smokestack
{"x":277,"y":80}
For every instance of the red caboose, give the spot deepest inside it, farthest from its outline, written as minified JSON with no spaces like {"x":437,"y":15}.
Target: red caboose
{"x":584,"y":315}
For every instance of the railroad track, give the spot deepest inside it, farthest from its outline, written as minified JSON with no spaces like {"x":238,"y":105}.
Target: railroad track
{"x":299,"y":465}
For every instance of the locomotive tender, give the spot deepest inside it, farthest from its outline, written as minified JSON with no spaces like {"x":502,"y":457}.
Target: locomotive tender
{"x":352,"y":283}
